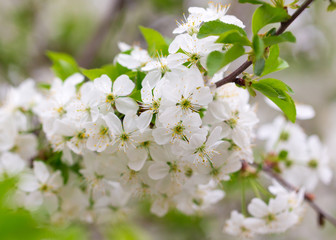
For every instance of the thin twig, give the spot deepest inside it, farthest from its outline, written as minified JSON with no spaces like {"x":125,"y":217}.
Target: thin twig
{"x":232,"y":77}
{"x":94,"y":44}
{"x":309,"y":198}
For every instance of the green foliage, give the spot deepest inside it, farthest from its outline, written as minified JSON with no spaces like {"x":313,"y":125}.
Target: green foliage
{"x":259,"y":66}
{"x":266,"y":14}
{"x":63,"y":64}
{"x":259,"y":49}
{"x":157,"y":45}
{"x":217,"y":28}
{"x":113,"y":71}
{"x":126,"y":231}
{"x":217,"y":60}
{"x":285,"y":37}
{"x":252,"y":1}
{"x":168,"y":5}
{"x":331,"y":6}
{"x":277,"y":91}
{"x":18,"y":224}
{"x":234,"y":37}
{"x":274,"y":63}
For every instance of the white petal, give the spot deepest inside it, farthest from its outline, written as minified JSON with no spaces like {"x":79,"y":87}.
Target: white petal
{"x":103,"y":84}
{"x":123,"y":86}
{"x":114,"y":123}
{"x":137,"y":158}
{"x":28,"y":183}
{"x":144,"y":120}
{"x":257,"y":208}
{"x":158,"y":171}
{"x":232,"y":20}
{"x":41,"y":172}
{"x":151,"y":78}
{"x":161,"y":135}
{"x":126,"y":105}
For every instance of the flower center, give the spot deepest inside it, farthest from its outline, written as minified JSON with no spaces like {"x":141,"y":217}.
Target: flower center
{"x":103,"y":130}
{"x":284,"y":136}
{"x":110,"y":98}
{"x":313,"y":163}
{"x":185,"y":104}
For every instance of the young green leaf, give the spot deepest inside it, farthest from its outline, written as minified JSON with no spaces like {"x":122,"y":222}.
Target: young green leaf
{"x":274,"y":63}
{"x":259,"y":66}
{"x":63,"y":64}
{"x":113,"y":71}
{"x":285,"y":37}
{"x":234,"y":37}
{"x":252,"y":1}
{"x":267,"y":14}
{"x":258,"y":47}
{"x":155,"y":41}
{"x":217,"y":60}
{"x":217,"y":28}
{"x":331,"y":7}
{"x":277,"y":91}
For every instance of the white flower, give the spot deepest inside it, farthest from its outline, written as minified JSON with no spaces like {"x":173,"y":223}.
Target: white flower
{"x":214,"y":12}
{"x":85,"y":109}
{"x":237,"y":225}
{"x":42,"y":185}
{"x":138,"y":57}
{"x":178,"y":130}
{"x":115,"y":96}
{"x":275,"y":217}
{"x":194,"y":50}
{"x":201,"y":149}
{"x":151,"y":100}
{"x":183,"y":96}
{"x":190,"y":25}
{"x":11,"y":165}
{"x":25,"y":146}
{"x":99,"y":135}
{"x":8,"y":132}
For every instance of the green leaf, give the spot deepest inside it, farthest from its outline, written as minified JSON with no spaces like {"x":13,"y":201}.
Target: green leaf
{"x":234,"y":37}
{"x":258,"y":47}
{"x":259,"y":66}
{"x":63,"y":64}
{"x":217,"y":60}
{"x":267,"y":14}
{"x":157,"y":45}
{"x":285,"y":37}
{"x":277,"y":91}
{"x":331,"y":7}
{"x":113,"y":71}
{"x":136,"y":95}
{"x":92,"y":74}
{"x":274,"y":63}
{"x":252,"y":1}
{"x":217,"y":28}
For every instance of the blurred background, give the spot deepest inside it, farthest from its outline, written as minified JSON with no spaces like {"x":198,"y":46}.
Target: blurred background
{"x":90,"y":31}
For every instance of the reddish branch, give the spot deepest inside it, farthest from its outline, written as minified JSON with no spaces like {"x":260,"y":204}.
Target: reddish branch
{"x":284,"y":25}
{"x":309,"y":198}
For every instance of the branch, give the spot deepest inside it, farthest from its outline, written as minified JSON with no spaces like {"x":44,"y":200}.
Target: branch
{"x":92,"y":47}
{"x":284,"y":25}
{"x":308,"y":197}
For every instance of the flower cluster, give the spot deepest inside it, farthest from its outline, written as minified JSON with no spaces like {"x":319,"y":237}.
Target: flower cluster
{"x":282,"y":212}
{"x":154,"y":126}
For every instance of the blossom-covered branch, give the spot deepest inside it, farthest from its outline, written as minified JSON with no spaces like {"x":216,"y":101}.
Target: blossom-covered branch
{"x":309,"y":198}
{"x":232,"y":77}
